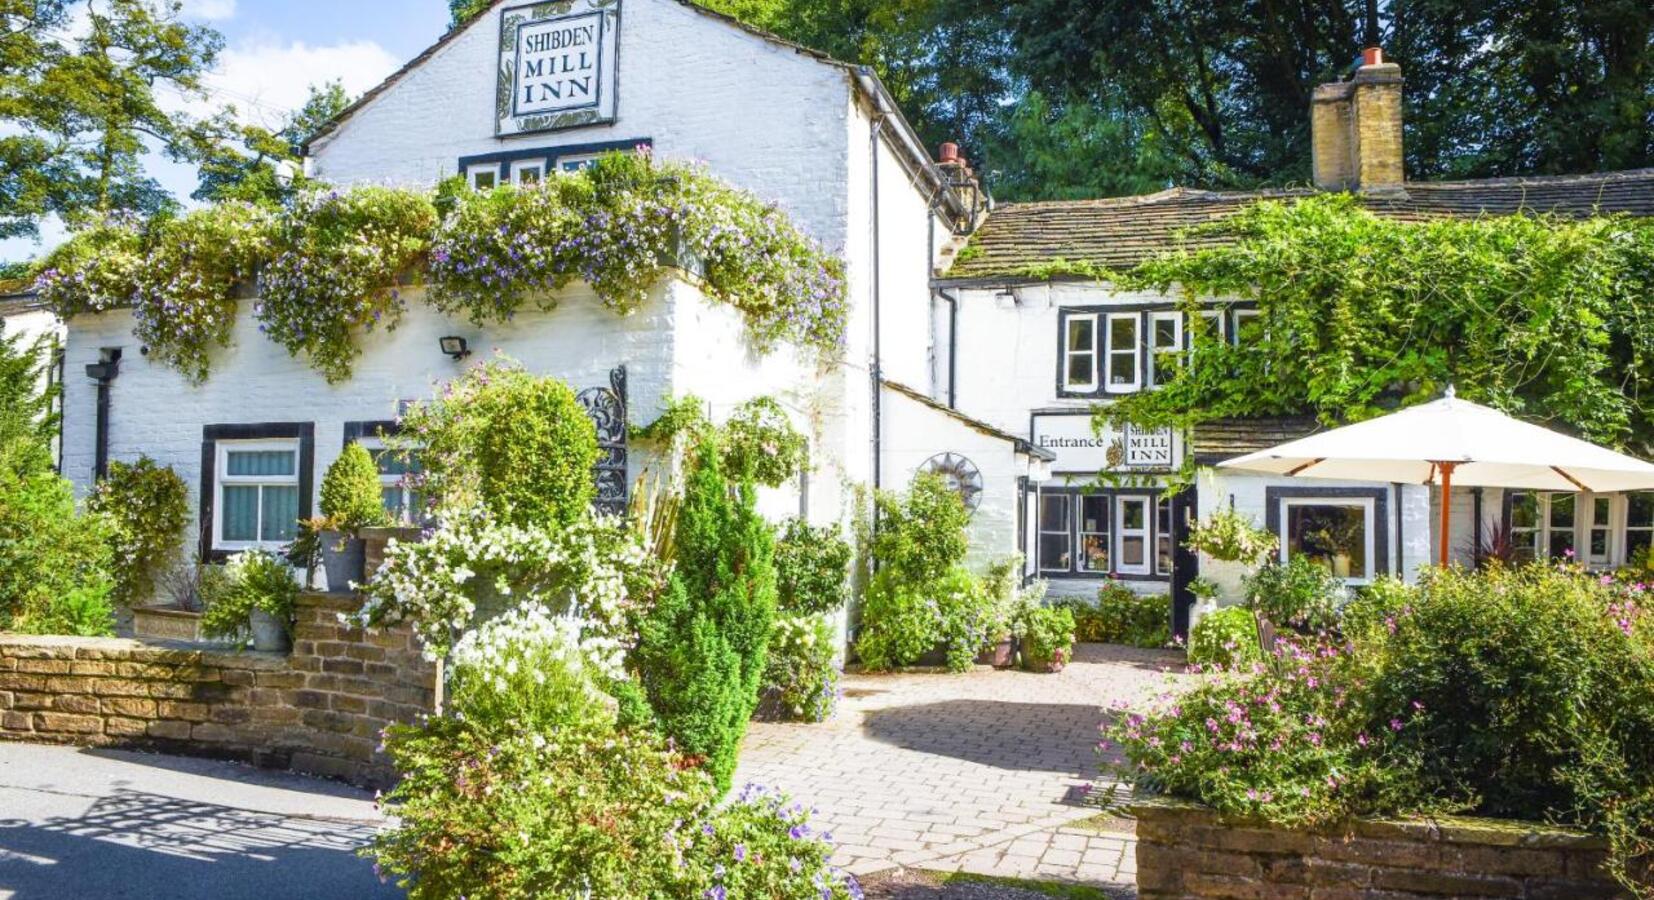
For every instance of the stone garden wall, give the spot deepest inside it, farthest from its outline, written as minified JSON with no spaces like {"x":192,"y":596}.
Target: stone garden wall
{"x":1184,"y":851}
{"x":318,"y":710}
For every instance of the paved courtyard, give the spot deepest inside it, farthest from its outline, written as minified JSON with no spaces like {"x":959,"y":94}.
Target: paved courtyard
{"x":982,"y":772}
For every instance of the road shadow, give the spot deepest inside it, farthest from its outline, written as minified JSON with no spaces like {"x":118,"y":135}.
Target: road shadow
{"x":232,"y":770}
{"x":1030,"y":737}
{"x":133,"y":844}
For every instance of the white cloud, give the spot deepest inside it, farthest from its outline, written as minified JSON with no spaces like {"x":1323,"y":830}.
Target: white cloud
{"x":266,"y":80}
{"x":211,"y":10}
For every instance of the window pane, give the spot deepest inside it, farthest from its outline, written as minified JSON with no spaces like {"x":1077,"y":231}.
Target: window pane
{"x":260,"y":462}
{"x":1333,"y":536}
{"x":1639,"y":511}
{"x":1562,"y":511}
{"x":1094,"y":552}
{"x":394,"y":463}
{"x":391,"y":499}
{"x":280,"y":515}
{"x":482,"y":180}
{"x":1081,"y":334}
{"x":1093,"y":513}
{"x":1053,"y":552}
{"x":1122,"y":333}
{"x":1524,"y":510}
{"x":1053,"y":513}
{"x":1562,"y":544}
{"x":1599,"y":544}
{"x":1248,"y":328}
{"x":1163,"y":535}
{"x":1122,"y":368}
{"x":1081,"y":369}
{"x":238,"y":513}
{"x":1165,"y":333}
{"x":1133,"y":551}
{"x":1132,"y":514}
{"x":1636,"y":542}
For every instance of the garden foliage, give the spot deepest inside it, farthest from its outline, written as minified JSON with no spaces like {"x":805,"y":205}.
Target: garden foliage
{"x":253,"y":579}
{"x":54,"y":563}
{"x":517,"y":444}
{"x":1520,"y":693}
{"x":146,"y":508}
{"x":1123,"y":616}
{"x":1298,"y":593}
{"x":1047,"y":637}
{"x":701,"y":650}
{"x":801,"y":676}
{"x":811,"y":565}
{"x":1225,"y":639}
{"x":1228,"y":536}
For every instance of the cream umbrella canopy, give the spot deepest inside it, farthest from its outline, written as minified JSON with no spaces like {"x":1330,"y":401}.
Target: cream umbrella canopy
{"x":1453,"y":442}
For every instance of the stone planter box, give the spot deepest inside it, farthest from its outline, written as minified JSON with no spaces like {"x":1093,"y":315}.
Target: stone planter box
{"x":166,"y":623}
{"x":1186,"y":850}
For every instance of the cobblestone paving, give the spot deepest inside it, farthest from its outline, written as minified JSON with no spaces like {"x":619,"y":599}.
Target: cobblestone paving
{"x":983,"y":772}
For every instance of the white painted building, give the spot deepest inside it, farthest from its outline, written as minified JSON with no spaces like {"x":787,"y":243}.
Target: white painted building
{"x":955,"y":362}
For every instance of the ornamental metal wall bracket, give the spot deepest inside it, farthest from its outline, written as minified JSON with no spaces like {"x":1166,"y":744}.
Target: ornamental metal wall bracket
{"x":607,"y":408}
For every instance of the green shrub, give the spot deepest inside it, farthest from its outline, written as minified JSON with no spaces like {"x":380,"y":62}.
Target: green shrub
{"x":53,"y":562}
{"x":1047,"y":637}
{"x":700,"y":653}
{"x":254,"y":579}
{"x":147,"y":508}
{"x":922,"y":535}
{"x":351,"y":494}
{"x":760,"y":443}
{"x":1227,"y":638}
{"x":1228,"y":536}
{"x":1295,"y":594}
{"x":1123,"y":616}
{"x":904,"y":620}
{"x":811,"y":564}
{"x":518,"y":444}
{"x":801,"y":679}
{"x":85,"y":610}
{"x":759,"y":845}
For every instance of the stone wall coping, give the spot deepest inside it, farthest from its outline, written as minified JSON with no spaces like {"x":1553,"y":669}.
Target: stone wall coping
{"x":57,"y":646}
{"x":1439,"y":829}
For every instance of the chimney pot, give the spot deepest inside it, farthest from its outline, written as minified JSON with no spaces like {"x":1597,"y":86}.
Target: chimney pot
{"x":949,"y":152}
{"x":1372,"y":56}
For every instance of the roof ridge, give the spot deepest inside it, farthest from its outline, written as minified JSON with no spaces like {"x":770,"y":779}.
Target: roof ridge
{"x":1521,"y":180}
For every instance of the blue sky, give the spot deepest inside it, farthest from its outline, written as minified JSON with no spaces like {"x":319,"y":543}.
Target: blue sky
{"x":275,"y":49}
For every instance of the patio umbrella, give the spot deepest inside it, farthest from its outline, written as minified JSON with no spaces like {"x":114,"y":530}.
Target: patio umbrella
{"x":1452,"y":441}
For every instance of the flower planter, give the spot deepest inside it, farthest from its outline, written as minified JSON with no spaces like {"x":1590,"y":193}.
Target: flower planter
{"x":269,"y":633}
{"x":1001,"y":655}
{"x":166,"y":623}
{"x":1048,"y":665}
{"x":343,"y":557}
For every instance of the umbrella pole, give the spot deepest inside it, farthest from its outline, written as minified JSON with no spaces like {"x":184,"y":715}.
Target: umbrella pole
{"x":1446,"y":469}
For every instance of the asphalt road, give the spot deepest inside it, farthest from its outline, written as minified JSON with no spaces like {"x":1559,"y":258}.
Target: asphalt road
{"x":77,"y":823}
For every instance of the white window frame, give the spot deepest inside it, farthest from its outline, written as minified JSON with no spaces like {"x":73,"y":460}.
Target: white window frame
{"x":1121,"y":532}
{"x":574,"y":162}
{"x":1154,"y":350}
{"x":476,"y":172}
{"x":1370,"y":525}
{"x":1590,"y":525}
{"x":374,"y":444}
{"x":222,"y":479}
{"x":1106,"y":374}
{"x":1220,"y":331}
{"x":1163,"y":532}
{"x":1068,"y":353}
{"x":521,"y":166}
{"x":1626,"y":529}
{"x":1067,"y":532}
{"x":1081,"y":561}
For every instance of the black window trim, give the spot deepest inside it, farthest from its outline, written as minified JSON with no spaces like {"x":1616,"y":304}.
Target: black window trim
{"x":1380,"y":496}
{"x":1075,"y":573}
{"x":303,"y":432}
{"x":549,"y":156}
{"x":1226,"y":311}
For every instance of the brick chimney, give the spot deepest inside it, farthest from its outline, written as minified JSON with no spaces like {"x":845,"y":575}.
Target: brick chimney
{"x":1355,"y":129}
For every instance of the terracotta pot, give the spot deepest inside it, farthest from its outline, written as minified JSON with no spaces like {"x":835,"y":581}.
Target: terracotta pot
{"x":1000,"y":655}
{"x":342,"y":560}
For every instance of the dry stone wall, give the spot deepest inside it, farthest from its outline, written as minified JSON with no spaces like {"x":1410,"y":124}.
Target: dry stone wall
{"x":318,"y":710}
{"x":1184,"y":851}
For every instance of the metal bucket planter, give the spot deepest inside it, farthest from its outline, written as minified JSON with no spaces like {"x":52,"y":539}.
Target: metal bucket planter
{"x":342,"y":560}
{"x":269,"y":633}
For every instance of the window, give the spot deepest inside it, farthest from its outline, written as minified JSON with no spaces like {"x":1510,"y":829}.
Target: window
{"x":1212,"y":320}
{"x":1163,"y":549}
{"x":1559,"y":525}
{"x":398,"y":475}
{"x":257,"y":493}
{"x":1335,"y":533}
{"x":1080,"y":353}
{"x":1054,"y":536}
{"x":527,"y":171}
{"x":1599,"y":545}
{"x":1124,"y":375}
{"x":1132,"y":514}
{"x":1248,"y":327}
{"x":1526,"y":525}
{"x":576,"y":162}
{"x":483,"y":176}
{"x":1094,"y":543}
{"x":1639,"y":523}
{"x":1165,"y":346}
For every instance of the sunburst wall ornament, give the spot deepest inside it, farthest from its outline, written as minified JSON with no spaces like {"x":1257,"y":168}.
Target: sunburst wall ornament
{"x":961,"y":475}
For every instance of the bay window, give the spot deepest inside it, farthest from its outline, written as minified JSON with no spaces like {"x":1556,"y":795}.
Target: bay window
{"x":1599,"y":530}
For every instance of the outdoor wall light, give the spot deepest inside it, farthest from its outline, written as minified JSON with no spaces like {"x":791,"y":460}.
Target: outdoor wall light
{"x":454,"y":346}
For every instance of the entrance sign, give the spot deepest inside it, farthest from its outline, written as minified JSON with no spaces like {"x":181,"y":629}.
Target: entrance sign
{"x":1080,"y":448}
{"x":557,"y":65}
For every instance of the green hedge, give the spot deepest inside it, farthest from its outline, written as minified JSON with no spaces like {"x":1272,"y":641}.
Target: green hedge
{"x":1122,"y":616}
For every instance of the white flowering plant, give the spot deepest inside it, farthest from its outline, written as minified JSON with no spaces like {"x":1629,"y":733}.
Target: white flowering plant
{"x":470,"y":567}
{"x":527,"y":669}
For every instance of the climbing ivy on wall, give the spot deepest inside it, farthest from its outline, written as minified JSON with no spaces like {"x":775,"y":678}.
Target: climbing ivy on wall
{"x":1551,"y":319}
{"x":329,"y":262}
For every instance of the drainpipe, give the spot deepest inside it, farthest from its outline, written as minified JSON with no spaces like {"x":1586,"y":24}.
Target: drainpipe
{"x":953,"y":346}
{"x":1401,"y":565}
{"x":873,"y":132}
{"x":103,"y":372}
